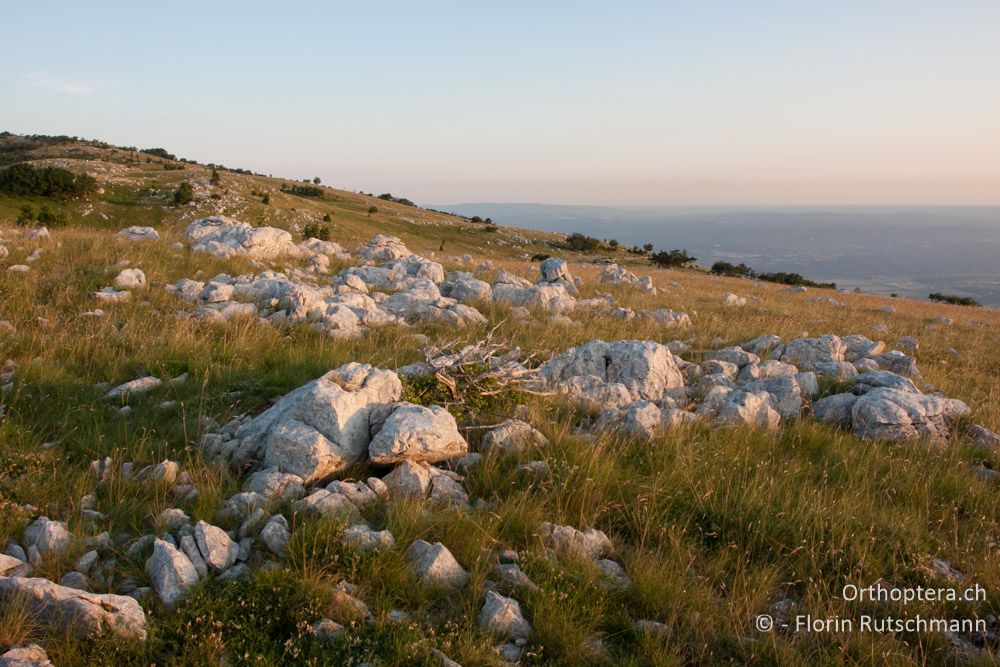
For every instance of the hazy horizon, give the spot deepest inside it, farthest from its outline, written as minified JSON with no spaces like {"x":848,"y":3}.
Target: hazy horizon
{"x":637,"y":103}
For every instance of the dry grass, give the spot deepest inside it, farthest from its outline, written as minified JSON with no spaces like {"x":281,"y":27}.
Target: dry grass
{"x":712,"y":525}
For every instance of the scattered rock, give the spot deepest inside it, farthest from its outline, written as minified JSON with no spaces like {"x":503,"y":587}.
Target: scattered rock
{"x":434,"y":565}
{"x":503,"y":616}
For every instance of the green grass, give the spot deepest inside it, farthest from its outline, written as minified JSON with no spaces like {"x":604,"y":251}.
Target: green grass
{"x":712,"y":525}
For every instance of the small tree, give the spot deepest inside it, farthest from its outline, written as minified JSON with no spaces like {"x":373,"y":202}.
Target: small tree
{"x":184,"y":194}
{"x":215,"y":180}
{"x":267,"y":199}
{"x":316,"y":181}
{"x":372,"y":209}
{"x":613,"y":243}
{"x":648,"y":247}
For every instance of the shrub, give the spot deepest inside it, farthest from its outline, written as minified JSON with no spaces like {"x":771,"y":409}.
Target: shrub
{"x":26,"y":215}
{"x":24,"y":180}
{"x":399,"y":200}
{"x":314,"y":230}
{"x":953,"y":299}
{"x":582,"y":243}
{"x":159,"y":152}
{"x":540,"y":257}
{"x":727,"y":269}
{"x":327,"y":218}
{"x":304,"y":190}
{"x":648,"y":247}
{"x":184,"y":194}
{"x":793,"y":279}
{"x":372,"y":209}
{"x":670,"y":258}
{"x":267,"y":199}
{"x":215,"y":179}
{"x":613,"y":243}
{"x":51,"y":218}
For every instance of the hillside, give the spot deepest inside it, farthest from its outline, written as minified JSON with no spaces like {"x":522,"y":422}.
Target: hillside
{"x":220,"y":468}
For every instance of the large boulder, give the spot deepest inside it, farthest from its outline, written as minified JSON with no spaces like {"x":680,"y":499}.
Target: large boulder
{"x":416,"y":433}
{"x":744,"y":407}
{"x":891,"y":414}
{"x":547,"y":297}
{"x":646,"y":369}
{"x":83,"y":612}
{"x":383,"y":249}
{"x":319,"y":428}
{"x":224,"y":237}
{"x":806,"y":353}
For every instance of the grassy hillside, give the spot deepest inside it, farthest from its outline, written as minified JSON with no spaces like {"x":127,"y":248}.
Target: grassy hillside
{"x":714,"y":526}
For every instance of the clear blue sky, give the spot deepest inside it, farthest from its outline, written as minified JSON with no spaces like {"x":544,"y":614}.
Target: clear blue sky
{"x":570,"y":102}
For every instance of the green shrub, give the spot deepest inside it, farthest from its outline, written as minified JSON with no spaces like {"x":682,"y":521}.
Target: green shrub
{"x":24,"y":180}
{"x":51,"y":218}
{"x":314,"y":230}
{"x":26,"y":215}
{"x":669,"y":258}
{"x":184,"y":194}
{"x":953,"y":299}
{"x":372,"y":209}
{"x":582,"y":243}
{"x":267,"y":199}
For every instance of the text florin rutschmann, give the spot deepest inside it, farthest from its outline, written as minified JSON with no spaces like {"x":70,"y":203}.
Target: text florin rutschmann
{"x":889,"y":623}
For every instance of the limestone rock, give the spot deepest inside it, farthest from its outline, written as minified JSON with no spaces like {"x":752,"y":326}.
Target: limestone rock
{"x":434,"y":565}
{"x":503,"y":616}
{"x":215,"y":546}
{"x":137,"y":233}
{"x":890,"y":414}
{"x":50,"y":538}
{"x":416,"y":433}
{"x":130,"y":279}
{"x":321,"y":427}
{"x":513,"y":435}
{"x":171,"y":573}
{"x":591,"y":544}
{"x":86,"y":613}
{"x":224,"y":237}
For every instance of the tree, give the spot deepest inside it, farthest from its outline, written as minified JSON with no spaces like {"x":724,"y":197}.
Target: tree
{"x":648,"y":247}
{"x":327,"y":218}
{"x":184,"y":194}
{"x":372,"y":209}
{"x":267,"y":199}
{"x":215,"y":180}
{"x":667,"y":259}
{"x":316,"y":181}
{"x":613,"y":243}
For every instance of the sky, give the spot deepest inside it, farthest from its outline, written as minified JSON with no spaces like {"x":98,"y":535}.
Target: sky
{"x":708,"y":102}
